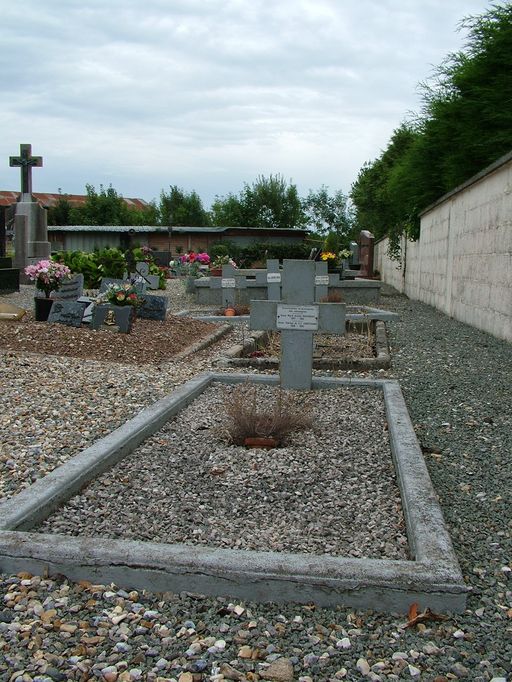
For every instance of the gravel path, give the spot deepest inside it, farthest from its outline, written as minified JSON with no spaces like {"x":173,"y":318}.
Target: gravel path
{"x":457,"y":383}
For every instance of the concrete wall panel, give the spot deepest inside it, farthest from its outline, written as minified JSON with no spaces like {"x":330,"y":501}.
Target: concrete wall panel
{"x":462,"y":263}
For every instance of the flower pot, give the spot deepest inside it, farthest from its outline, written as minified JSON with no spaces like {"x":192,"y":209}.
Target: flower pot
{"x":229,"y":312}
{"x":42,"y":307}
{"x":215,"y":272}
{"x":264,"y":442}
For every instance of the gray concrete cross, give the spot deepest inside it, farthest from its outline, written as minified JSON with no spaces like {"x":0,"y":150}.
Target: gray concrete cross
{"x":297,"y":317}
{"x":273,"y":278}
{"x":230,"y":281}
{"x":323,"y":280}
{"x":26,"y":161}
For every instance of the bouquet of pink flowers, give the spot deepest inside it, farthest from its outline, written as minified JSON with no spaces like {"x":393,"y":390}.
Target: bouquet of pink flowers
{"x":48,"y":275}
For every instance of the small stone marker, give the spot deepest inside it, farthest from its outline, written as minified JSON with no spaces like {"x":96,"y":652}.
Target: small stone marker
{"x":298,"y":317}
{"x":11,"y":312}
{"x":153,"y":308}
{"x":69,"y":313}
{"x":89,"y":307}
{"x":70,"y":289}
{"x":321,"y":280}
{"x":142,"y":271}
{"x":113,"y":317}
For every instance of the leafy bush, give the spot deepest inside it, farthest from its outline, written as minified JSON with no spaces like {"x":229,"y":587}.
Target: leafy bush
{"x":111,"y":262}
{"x":81,"y":262}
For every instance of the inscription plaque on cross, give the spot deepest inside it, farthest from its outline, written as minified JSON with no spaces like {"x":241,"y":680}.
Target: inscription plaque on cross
{"x":297,"y":317}
{"x":26,"y":162}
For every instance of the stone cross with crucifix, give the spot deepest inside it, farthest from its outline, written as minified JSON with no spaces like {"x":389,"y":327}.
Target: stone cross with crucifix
{"x":30,"y":222}
{"x":26,"y":162}
{"x":297,"y":317}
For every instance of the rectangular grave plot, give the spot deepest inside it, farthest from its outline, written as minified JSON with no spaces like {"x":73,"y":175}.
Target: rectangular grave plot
{"x":364,"y":347}
{"x":432,"y":579}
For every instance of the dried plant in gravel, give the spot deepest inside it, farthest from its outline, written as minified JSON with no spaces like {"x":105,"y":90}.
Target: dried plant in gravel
{"x":332,"y":297}
{"x":247,"y":416}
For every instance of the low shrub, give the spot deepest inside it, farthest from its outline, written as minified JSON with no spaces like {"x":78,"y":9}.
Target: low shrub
{"x":247,"y":417}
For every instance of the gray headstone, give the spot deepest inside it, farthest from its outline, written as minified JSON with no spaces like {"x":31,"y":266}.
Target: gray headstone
{"x":89,"y":307}
{"x":142,"y":268}
{"x":354,"y":250}
{"x":153,"y":308}
{"x":141,"y":274}
{"x":123,"y":317}
{"x":70,"y":289}
{"x":69,"y":313}
{"x":298,"y":317}
{"x":321,"y":280}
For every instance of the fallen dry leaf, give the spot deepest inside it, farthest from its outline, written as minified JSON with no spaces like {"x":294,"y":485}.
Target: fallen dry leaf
{"x":425,"y":615}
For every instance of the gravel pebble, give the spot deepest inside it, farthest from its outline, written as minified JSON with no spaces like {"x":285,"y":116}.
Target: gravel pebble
{"x":456,"y":381}
{"x":331,"y":490}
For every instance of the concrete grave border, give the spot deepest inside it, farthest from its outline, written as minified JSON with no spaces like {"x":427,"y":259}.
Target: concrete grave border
{"x":234,"y":356}
{"x":368,"y":313}
{"x":432,"y":579}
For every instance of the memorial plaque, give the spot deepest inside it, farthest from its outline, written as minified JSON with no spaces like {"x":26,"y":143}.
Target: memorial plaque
{"x":69,"y":313}
{"x":321,"y":280}
{"x":273,"y":277}
{"x":153,"y":308}
{"x":303,"y":317}
{"x":228,"y":283}
{"x":112,"y":318}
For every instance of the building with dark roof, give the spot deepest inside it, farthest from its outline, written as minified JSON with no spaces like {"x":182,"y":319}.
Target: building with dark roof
{"x":88,"y":237}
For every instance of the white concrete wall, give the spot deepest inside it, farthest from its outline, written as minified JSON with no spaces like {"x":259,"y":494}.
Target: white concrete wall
{"x":462,"y":263}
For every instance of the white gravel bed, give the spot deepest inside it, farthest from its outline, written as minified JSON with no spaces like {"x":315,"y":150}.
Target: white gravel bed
{"x":332,"y":490}
{"x":54,"y":407}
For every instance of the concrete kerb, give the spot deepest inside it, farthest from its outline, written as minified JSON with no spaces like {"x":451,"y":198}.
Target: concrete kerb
{"x":234,"y":356}
{"x":209,"y":316}
{"x":203,"y":343}
{"x":367,"y":313}
{"x":432,"y":579}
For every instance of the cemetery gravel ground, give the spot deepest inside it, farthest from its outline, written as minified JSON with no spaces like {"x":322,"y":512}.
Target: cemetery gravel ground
{"x":456,"y":381}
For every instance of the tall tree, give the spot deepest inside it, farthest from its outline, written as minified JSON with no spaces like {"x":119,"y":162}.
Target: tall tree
{"x":328,"y":213}
{"x":178,"y":207}
{"x":268,"y":202}
{"x":106,"y":207}
{"x":465,"y":125}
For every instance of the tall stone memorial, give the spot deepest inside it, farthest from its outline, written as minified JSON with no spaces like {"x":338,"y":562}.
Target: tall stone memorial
{"x":30,"y":222}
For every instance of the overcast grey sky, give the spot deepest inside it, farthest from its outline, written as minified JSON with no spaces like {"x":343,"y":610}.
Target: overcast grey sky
{"x":208,"y":94}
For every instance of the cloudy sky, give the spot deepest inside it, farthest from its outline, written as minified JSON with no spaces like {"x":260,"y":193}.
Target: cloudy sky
{"x":209,"y":94}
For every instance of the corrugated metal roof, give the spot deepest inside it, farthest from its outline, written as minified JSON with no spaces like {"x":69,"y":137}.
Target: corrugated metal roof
{"x":155,"y":228}
{"x":48,"y":200}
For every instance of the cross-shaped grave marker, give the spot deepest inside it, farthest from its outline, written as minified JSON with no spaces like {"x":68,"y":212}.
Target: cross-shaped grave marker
{"x":273,"y":280}
{"x":231,"y":280}
{"x":26,"y":162}
{"x":298,"y":317}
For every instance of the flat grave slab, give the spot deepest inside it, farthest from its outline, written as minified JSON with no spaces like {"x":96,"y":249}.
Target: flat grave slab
{"x":431,"y":577}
